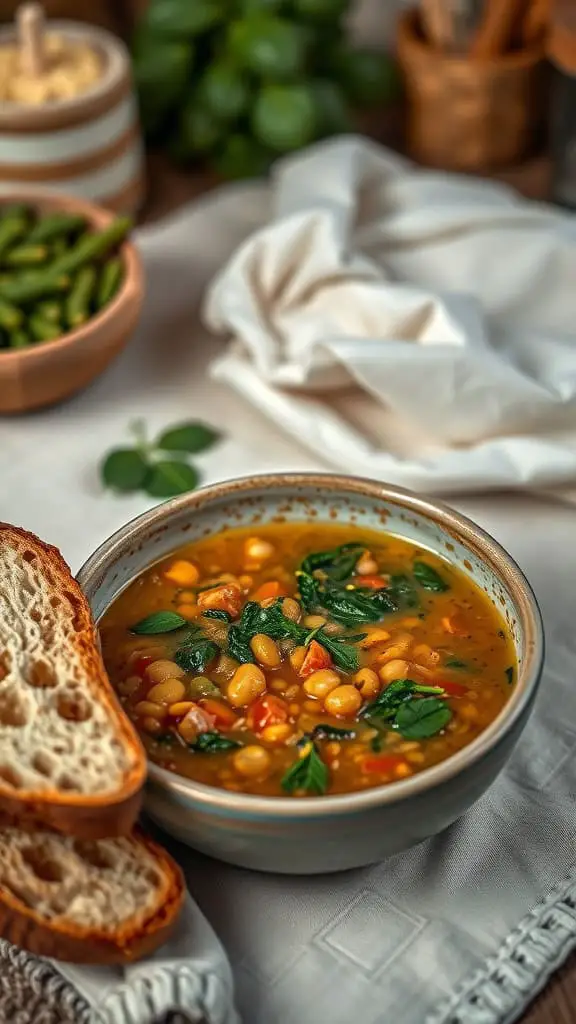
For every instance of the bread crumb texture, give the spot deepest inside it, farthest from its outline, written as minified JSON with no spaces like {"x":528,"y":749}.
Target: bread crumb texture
{"x":95,"y":885}
{"x":55,"y":734}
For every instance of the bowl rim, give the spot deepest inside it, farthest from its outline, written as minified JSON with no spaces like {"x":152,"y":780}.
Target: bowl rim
{"x":454,"y":523}
{"x":132,"y":285}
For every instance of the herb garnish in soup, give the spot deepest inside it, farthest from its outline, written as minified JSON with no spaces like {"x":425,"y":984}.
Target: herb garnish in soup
{"x":306,"y":659}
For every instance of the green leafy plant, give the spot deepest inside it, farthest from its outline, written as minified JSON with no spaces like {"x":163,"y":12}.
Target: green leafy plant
{"x":410,"y":708}
{"x":308,"y":773}
{"x":213,"y":743}
{"x":428,"y":578}
{"x":160,"y":468}
{"x":419,"y":719}
{"x":159,"y":622}
{"x":331,"y":732}
{"x":236,"y":85}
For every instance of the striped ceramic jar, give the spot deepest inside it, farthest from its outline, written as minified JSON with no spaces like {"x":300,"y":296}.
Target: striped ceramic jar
{"x":89,"y":146}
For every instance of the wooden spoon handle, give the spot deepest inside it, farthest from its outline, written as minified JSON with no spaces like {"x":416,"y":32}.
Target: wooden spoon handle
{"x":30,"y":28}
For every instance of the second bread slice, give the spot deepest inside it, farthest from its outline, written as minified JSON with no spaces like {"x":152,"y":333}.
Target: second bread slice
{"x":69,"y":758}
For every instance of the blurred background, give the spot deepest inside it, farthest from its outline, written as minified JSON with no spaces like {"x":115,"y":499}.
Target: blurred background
{"x":224,"y":88}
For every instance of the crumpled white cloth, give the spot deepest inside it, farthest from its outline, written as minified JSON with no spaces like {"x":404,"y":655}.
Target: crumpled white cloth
{"x":406,"y":324}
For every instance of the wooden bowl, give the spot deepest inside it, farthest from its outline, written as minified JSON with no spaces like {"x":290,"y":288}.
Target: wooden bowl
{"x":49,"y":371}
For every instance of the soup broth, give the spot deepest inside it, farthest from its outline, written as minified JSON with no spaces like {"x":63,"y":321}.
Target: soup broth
{"x":306,"y":659}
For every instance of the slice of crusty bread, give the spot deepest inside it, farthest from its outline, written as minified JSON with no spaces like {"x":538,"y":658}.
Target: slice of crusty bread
{"x":106,"y":902}
{"x":69,"y":758}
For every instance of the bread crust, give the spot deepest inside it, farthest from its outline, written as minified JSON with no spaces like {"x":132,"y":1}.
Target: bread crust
{"x":82,"y":815}
{"x":21,"y":925}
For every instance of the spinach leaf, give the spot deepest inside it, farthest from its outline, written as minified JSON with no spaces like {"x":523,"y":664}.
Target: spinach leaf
{"x":213,"y":743}
{"x":331,"y":732}
{"x":376,"y":744}
{"x":351,"y":607}
{"x":419,"y":719}
{"x":238,"y":646}
{"x":456,"y":663}
{"x":216,"y":613}
{"x":338,"y":563}
{"x":428,"y":578}
{"x":402,"y":590}
{"x":196,"y":651}
{"x":308,"y":589}
{"x":509,"y":673}
{"x":340,"y":648}
{"x":159,"y":622}
{"x":309,"y":772}
{"x":391,"y":699}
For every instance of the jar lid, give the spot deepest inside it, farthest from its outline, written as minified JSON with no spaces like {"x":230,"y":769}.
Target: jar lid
{"x":561,"y":46}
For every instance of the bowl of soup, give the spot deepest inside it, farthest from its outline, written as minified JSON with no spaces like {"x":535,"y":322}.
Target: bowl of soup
{"x":323,"y":670}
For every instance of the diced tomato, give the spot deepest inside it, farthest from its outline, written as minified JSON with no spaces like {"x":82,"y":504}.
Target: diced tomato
{"x":382,"y":763}
{"x":317,"y":657}
{"x":267,"y":710}
{"x":225,"y":598}
{"x":453,"y":689}
{"x":273,"y":588}
{"x":223,"y":716}
{"x":141,"y":664}
{"x":372,"y":582}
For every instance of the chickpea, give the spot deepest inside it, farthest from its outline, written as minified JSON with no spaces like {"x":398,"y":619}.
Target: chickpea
{"x":258,"y":550}
{"x":129,"y":686}
{"x":375,"y":636}
{"x":399,"y":648}
{"x":396,"y":669}
{"x":168,"y":692}
{"x":188,"y":611}
{"x":183,"y":573}
{"x":366,"y":565}
{"x":344,"y":701}
{"x":265,"y":650}
{"x":252,"y":761}
{"x":247,"y":683}
{"x":320,"y":683}
{"x":152,"y":725}
{"x":163,"y":669}
{"x":181,"y":707}
{"x":276,"y":733}
{"x":225,"y":668}
{"x":291,"y":609}
{"x":424,"y":653}
{"x":368,"y":683}
{"x":148,"y":709}
{"x":297,"y":656}
{"x":313,"y":621}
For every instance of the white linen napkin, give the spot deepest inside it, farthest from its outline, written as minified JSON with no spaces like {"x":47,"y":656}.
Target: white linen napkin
{"x":406,"y":324}
{"x":188,"y":978}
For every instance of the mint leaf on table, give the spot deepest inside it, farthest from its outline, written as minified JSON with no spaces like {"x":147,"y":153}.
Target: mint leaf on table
{"x":194,"y":437}
{"x":159,"y":622}
{"x":168,"y":478}
{"x":124,"y":470}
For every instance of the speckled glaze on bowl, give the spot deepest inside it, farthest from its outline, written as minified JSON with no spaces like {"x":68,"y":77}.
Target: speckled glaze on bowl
{"x":332,"y":833}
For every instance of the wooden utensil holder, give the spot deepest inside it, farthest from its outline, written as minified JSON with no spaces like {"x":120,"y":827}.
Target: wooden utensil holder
{"x":470,"y":115}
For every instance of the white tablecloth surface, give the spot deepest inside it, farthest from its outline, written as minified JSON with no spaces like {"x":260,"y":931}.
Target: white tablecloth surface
{"x":464,"y":928}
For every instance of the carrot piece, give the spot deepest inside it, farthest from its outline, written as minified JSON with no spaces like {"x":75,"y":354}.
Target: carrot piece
{"x":223,"y":716}
{"x":317,"y":657}
{"x":267,"y":710}
{"x":272,"y":588}
{"x":371,"y":582}
{"x":383,"y":763}
{"x":226,"y":598}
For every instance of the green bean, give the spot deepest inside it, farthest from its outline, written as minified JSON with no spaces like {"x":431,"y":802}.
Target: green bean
{"x":92,"y":246}
{"x":26,"y":255}
{"x":56,"y":226}
{"x":34,"y":286}
{"x":50,"y":310}
{"x":110,"y":278}
{"x":59,"y":246}
{"x":10,"y":316}
{"x":18,"y":339}
{"x":19,"y":210}
{"x":43,"y":330}
{"x":78,"y":301}
{"x":11,"y":230}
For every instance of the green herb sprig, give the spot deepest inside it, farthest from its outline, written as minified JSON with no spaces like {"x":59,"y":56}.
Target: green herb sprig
{"x":161,"y":468}
{"x":414,"y":710}
{"x":308,"y":773}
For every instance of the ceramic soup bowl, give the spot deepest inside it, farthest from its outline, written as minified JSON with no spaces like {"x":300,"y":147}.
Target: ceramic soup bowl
{"x":329,"y":833}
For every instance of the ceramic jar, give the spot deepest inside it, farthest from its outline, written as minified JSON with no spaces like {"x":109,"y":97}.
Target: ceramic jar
{"x":88,"y":146}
